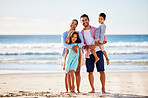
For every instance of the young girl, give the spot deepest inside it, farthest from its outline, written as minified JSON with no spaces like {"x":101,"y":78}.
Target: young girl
{"x":73,"y":59}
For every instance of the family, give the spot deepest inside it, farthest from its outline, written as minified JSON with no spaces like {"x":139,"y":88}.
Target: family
{"x":89,"y":41}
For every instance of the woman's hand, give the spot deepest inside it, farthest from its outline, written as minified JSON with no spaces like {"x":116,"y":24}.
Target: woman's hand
{"x":74,"y":48}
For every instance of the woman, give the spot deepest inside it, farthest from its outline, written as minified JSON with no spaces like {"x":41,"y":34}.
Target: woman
{"x":73,"y":26}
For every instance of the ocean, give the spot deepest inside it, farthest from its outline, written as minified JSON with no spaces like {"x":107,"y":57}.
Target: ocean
{"x":42,"y":53}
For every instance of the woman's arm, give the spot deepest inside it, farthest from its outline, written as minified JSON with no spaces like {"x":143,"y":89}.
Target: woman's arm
{"x":63,"y":38}
{"x":79,"y":63}
{"x":82,"y":41}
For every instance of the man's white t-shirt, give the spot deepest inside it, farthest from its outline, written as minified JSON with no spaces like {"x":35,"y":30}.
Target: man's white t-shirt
{"x":89,"y":40}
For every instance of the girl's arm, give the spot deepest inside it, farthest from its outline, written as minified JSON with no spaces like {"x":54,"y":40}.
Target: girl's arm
{"x":65,"y":55}
{"x":79,"y":63}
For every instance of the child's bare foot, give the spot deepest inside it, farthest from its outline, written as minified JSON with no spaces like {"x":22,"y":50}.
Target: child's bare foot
{"x":103,"y":91}
{"x":73,"y":89}
{"x":96,"y":60}
{"x":78,"y":91}
{"x":66,"y":92}
{"x":107,"y":61}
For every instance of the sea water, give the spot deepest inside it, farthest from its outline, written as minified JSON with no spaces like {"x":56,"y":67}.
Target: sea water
{"x":42,"y":53}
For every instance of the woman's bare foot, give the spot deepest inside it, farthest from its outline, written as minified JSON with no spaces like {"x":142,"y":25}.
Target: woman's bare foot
{"x":107,"y":61}
{"x":96,"y":60}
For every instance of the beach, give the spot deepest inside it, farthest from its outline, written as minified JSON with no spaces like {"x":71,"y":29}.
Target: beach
{"x":127,"y":84}
{"x":32,"y":68}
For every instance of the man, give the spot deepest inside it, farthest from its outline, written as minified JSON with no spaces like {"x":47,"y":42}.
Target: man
{"x":88,"y":33}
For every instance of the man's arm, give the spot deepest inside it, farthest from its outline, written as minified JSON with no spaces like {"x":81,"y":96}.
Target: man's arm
{"x":89,"y":47}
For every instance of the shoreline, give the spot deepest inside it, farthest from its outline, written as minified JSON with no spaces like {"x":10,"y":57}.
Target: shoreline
{"x":15,"y":72}
{"x":117,"y":84}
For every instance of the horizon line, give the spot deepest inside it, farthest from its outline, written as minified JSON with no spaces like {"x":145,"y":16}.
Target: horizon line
{"x":61,"y":34}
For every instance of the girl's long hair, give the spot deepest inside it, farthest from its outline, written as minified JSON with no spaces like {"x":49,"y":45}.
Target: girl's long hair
{"x":70,"y":35}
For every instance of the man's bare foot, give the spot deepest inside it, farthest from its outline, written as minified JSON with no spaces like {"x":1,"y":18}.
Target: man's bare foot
{"x":93,"y":91}
{"x":96,"y":60}
{"x":107,"y":61}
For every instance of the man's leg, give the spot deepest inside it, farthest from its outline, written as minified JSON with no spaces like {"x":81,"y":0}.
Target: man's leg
{"x":90,"y":69}
{"x":100,"y":68}
{"x":102,"y":79}
{"x":91,"y":81}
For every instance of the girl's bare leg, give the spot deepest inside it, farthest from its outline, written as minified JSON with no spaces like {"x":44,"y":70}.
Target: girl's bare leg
{"x":72,"y":80}
{"x":69,"y":81}
{"x":78,"y":79}
{"x":66,"y":82}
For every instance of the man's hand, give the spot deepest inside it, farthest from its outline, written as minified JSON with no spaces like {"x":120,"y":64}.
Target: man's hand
{"x":74,"y":48}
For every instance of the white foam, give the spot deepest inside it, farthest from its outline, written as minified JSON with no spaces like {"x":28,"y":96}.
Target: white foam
{"x":127,"y":44}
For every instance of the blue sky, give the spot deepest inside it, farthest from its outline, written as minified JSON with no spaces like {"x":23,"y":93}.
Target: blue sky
{"x":34,"y":17}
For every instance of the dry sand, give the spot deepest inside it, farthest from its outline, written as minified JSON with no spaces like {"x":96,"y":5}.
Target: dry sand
{"x":118,"y":84}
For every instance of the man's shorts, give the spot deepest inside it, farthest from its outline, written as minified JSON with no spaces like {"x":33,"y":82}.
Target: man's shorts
{"x":99,"y":65}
